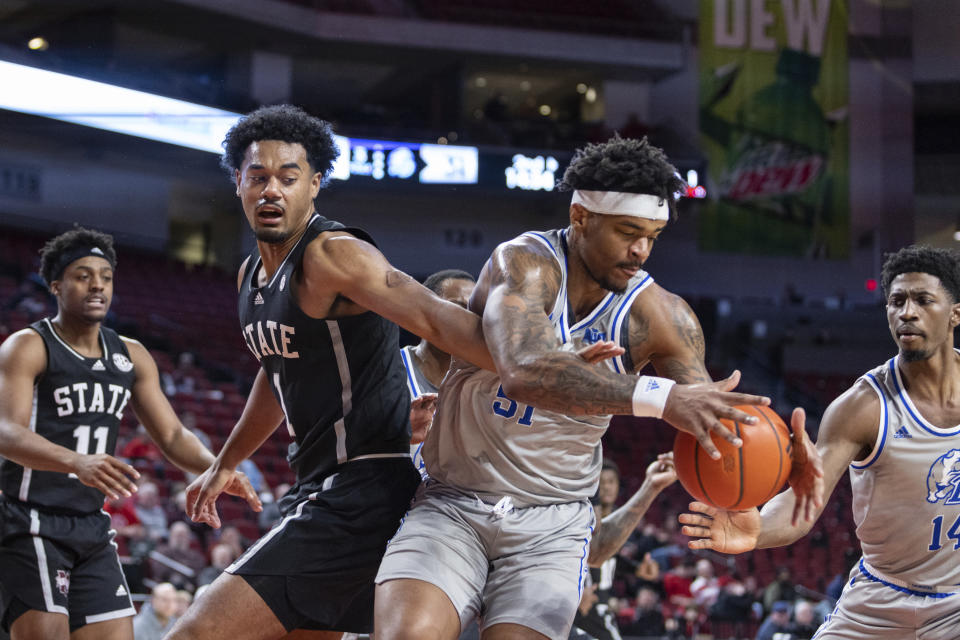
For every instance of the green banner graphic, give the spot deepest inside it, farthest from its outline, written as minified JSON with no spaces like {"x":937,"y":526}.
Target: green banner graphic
{"x":773,"y":123}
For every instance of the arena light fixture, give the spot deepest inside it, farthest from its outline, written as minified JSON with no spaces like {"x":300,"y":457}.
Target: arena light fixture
{"x":146,"y":115}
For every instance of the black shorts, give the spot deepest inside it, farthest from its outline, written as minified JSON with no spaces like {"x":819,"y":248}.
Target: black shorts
{"x":315,"y":569}
{"x":61,"y":564}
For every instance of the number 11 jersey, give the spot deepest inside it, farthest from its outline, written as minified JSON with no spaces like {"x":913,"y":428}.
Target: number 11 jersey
{"x":78,"y":403}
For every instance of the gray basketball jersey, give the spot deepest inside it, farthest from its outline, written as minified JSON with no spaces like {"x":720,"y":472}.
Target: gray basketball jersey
{"x":484,"y":443}
{"x":417,"y":383}
{"x":906,"y":493}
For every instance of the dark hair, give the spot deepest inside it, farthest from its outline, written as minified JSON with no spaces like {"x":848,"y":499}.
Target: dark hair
{"x":76,"y":238}
{"x":610,"y":464}
{"x":435,"y":281}
{"x":286,"y":123}
{"x":941,"y":263}
{"x":623,"y":164}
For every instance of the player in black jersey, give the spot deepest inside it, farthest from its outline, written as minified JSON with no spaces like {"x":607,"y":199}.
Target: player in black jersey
{"x":64,"y":384}
{"x":318,"y":303}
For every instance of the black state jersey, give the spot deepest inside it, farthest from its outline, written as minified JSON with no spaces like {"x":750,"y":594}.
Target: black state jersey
{"x":340,"y":381}
{"x":78,"y":403}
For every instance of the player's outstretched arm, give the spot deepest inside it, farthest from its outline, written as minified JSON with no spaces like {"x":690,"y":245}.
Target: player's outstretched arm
{"x":23,"y":358}
{"x":612,"y":532}
{"x":261,"y":416}
{"x":178,"y":444}
{"x":848,"y":431}
{"x":344,"y":265}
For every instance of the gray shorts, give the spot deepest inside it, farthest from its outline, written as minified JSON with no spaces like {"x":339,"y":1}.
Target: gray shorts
{"x":871,"y":607}
{"x":523,"y":566}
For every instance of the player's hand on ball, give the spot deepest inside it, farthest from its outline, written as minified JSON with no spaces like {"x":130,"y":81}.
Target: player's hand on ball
{"x":806,"y":474}
{"x":110,"y":476}
{"x":719,"y":530}
{"x":600,"y":351}
{"x":698,"y":409}
{"x":661,"y":473}
{"x":422,"y":409}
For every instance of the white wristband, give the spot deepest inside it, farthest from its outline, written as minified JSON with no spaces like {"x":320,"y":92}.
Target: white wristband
{"x":650,"y":396}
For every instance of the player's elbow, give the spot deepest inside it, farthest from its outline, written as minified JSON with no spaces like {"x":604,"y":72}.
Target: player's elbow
{"x":517,"y":381}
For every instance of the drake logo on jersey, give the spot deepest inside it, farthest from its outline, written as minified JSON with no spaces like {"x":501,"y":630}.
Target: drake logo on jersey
{"x":591,"y":335}
{"x":943,"y":480}
{"x":63,"y":581}
{"x":122,"y":362}
{"x":280,"y":341}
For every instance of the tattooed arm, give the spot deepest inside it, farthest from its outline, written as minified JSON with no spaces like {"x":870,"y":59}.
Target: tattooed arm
{"x":664,"y":331}
{"x":612,"y":532}
{"x":343,"y":275}
{"x":519,"y":286}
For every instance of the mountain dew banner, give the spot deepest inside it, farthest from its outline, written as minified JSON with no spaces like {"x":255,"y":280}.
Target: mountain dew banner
{"x":773,"y":123}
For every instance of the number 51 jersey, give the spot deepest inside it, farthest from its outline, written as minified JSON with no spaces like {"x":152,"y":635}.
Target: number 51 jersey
{"x":488,"y":445}
{"x":78,"y":403}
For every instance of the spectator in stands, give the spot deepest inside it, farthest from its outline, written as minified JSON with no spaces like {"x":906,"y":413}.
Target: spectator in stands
{"x":734,"y":602}
{"x":778,"y":622}
{"x":647,"y":615}
{"x":782,"y":588}
{"x":221,"y":556}
{"x":805,"y":624}
{"x":123,"y":518}
{"x":254,"y":475}
{"x":230,"y":535}
{"x":176,"y":561}
{"x":670,"y":545}
{"x":184,"y":598}
{"x":677,"y":581}
{"x":157,"y":616}
{"x":189,"y":419}
{"x":141,"y":447}
{"x":271,"y":509}
{"x":705,"y":588}
{"x":150,"y":513}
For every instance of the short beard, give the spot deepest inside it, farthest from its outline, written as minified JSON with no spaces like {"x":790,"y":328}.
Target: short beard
{"x":603,"y":282}
{"x":914,"y":355}
{"x":271,"y":237}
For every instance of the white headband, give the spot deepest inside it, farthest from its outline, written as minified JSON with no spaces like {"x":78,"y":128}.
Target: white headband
{"x":640,"y":205}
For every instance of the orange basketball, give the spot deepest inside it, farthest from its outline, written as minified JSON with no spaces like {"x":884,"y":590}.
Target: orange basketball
{"x":742,"y":478}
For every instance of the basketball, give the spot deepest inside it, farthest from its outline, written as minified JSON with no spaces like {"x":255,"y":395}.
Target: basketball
{"x":742,"y":478}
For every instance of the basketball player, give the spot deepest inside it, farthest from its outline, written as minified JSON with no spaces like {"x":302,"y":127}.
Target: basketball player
{"x":64,"y":385}
{"x":503,"y":526}
{"x":896,"y":431}
{"x":426,"y":364}
{"x":614,"y":526}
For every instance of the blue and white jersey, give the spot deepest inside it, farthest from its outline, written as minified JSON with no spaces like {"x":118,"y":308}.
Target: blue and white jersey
{"x":906,"y":493}
{"x":417,"y":385}
{"x":486,"y":444}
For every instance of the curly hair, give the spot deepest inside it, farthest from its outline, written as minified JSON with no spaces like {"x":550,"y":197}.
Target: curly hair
{"x":435,"y":281}
{"x":941,"y":263}
{"x":623,"y":164}
{"x":286,"y":123}
{"x":76,"y":238}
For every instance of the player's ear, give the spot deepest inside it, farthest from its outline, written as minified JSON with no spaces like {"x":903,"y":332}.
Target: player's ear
{"x":236,"y":176}
{"x":955,"y":315}
{"x":578,"y":216}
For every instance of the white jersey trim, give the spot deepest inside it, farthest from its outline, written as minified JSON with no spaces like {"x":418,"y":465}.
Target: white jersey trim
{"x":560,"y":304}
{"x":27,"y":471}
{"x":259,"y":261}
{"x":103,"y":342}
{"x":42,"y":565}
{"x":346,"y":396}
{"x":412,"y":385}
{"x":249,"y":553}
{"x":881,"y":426}
{"x":619,"y":317}
{"x":894,"y":367}
{"x":111,"y":615}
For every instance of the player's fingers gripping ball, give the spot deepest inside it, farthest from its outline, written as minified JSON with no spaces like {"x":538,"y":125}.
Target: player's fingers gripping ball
{"x":741,"y":478}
